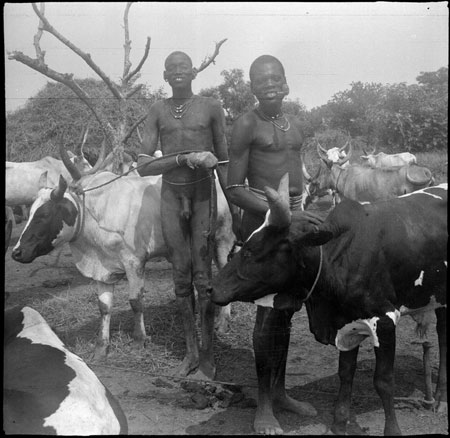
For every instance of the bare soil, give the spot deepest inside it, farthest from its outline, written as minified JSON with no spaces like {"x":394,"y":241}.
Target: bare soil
{"x":156,"y":404}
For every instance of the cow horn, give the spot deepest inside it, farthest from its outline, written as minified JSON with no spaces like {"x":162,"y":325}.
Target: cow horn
{"x":418,"y":175}
{"x":79,"y":148}
{"x":100,"y":160}
{"x":347,"y":157}
{"x":323,"y":154}
{"x":305,"y":172}
{"x":58,"y":192}
{"x":43,"y":180}
{"x":280,"y":215}
{"x":73,"y":170}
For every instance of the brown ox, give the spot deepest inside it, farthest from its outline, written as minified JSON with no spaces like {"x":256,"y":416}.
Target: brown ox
{"x":388,"y":160}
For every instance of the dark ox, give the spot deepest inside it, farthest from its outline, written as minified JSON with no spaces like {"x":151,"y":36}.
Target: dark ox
{"x":47,"y":390}
{"x":112,"y":232}
{"x":367,"y":184}
{"x":375,"y":261}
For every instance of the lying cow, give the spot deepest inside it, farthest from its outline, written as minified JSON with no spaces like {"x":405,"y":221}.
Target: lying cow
{"x":388,"y":160}
{"x":112,"y":230}
{"x":374,"y":259}
{"x":47,"y":390}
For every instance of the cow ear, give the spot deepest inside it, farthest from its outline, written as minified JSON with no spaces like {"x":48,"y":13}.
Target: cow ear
{"x":317,"y":237}
{"x":43,"y":180}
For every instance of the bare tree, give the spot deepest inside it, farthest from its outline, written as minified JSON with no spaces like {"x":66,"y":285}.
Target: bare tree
{"x":116,"y":135}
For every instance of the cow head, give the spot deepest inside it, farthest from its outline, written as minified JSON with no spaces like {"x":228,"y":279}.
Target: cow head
{"x":52,"y":222}
{"x":270,"y":261}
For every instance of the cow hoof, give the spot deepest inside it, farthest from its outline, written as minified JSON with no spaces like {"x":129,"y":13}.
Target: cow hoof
{"x":138,"y":344}
{"x":222,"y":326}
{"x":441,"y":407}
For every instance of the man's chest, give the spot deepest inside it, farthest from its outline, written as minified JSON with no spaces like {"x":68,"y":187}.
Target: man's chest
{"x":271,"y":139}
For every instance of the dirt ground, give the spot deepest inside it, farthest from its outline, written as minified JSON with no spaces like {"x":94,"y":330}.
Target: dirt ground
{"x":158,"y":405}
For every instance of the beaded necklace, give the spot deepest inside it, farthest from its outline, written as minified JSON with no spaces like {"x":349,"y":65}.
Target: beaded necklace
{"x":178,"y":111}
{"x":274,"y":120}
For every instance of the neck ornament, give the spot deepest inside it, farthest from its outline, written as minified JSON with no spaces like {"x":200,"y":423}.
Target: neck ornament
{"x":178,"y":111}
{"x":279,"y":120}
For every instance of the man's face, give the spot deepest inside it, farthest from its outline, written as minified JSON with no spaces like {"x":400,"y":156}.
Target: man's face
{"x":179,"y":72}
{"x":268,"y":81}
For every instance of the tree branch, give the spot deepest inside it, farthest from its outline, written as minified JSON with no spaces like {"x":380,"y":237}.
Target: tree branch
{"x":207,"y":61}
{"x":144,"y":58}
{"x":136,"y":124}
{"x":127,"y":44}
{"x":40,"y":55}
{"x":85,"y":56}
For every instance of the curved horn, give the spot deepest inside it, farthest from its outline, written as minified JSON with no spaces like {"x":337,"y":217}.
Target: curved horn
{"x":321,"y":148}
{"x":280,"y":214}
{"x":99,"y":162}
{"x":74,"y":172}
{"x":343,"y":147}
{"x":418,"y":175}
{"x":323,"y":154}
{"x":58,"y":192}
{"x":84,"y":134}
{"x":347,"y":157}
{"x":305,"y":172}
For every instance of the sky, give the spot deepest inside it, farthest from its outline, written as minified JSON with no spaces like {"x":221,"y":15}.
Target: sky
{"x":323,"y":46}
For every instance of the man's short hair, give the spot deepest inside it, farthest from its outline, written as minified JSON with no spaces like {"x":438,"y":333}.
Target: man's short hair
{"x":178,"y":52}
{"x":264,"y":59}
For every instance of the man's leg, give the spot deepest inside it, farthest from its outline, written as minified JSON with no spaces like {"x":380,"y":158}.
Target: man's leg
{"x":271,"y":337}
{"x":177,"y":237}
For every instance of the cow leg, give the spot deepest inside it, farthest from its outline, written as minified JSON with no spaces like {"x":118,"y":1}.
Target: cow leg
{"x":441,"y":387}
{"x":384,"y":372}
{"x":135,"y":276}
{"x":223,"y":318}
{"x":105,"y":303}
{"x":347,"y":368}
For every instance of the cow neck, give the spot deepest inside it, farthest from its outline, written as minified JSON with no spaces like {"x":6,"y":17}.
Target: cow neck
{"x":319,"y":270}
{"x":338,"y":177}
{"x":81,"y":210}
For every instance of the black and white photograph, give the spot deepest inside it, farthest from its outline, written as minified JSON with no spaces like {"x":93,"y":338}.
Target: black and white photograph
{"x":225,"y":218}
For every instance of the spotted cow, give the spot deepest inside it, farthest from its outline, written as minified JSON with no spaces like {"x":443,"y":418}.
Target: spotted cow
{"x":355,"y":272}
{"x":48,"y":390}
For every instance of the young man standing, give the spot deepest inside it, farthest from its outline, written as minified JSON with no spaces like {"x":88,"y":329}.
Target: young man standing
{"x":265,"y":145}
{"x":191,"y":131}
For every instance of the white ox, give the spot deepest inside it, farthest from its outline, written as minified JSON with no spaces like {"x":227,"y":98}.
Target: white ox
{"x":22,"y":179}
{"x":112,"y":231}
{"x":389,"y":160}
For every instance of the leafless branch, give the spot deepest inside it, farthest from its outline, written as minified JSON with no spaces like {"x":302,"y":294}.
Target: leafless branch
{"x":134,"y":90}
{"x":208,"y":60}
{"x":135,"y":126}
{"x":40,"y":55}
{"x":127,"y":45}
{"x":85,"y":56}
{"x":141,"y":63}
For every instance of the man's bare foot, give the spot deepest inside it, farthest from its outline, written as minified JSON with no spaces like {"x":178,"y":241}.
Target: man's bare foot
{"x":287,"y":403}
{"x":265,"y":423}
{"x":187,"y":366}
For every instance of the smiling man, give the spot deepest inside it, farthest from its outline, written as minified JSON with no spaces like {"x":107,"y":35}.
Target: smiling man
{"x":265,"y":145}
{"x":191,"y":131}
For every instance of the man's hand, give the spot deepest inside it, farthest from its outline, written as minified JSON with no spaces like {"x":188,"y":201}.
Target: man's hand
{"x":206,"y":160}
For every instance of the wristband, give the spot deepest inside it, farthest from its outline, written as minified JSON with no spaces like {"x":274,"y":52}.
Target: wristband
{"x":176,"y":160}
{"x":144,"y":155}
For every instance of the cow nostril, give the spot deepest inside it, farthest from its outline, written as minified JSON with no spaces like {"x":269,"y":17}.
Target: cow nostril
{"x":16,"y":254}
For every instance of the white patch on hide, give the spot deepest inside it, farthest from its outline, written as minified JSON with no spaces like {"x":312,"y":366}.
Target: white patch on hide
{"x":353,"y":333}
{"x":266,"y":301}
{"x":419,"y":279}
{"x":395,"y":316}
{"x":265,"y":224}
{"x":86,"y":410}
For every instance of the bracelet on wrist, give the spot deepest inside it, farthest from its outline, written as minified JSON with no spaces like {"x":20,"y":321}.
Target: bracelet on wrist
{"x":176,"y":160}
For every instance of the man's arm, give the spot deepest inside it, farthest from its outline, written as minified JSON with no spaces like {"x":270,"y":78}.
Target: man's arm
{"x":241,"y":139}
